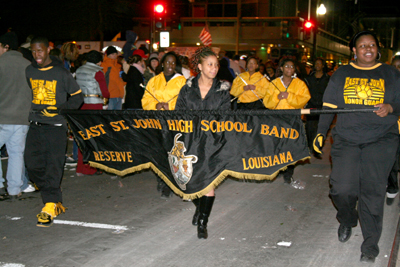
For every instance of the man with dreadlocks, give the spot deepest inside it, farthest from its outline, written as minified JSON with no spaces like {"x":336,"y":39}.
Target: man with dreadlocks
{"x":204,"y":92}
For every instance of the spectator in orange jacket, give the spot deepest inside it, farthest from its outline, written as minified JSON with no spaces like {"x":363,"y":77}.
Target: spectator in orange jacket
{"x":115,"y":84}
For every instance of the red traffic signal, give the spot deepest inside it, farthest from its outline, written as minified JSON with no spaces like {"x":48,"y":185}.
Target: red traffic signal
{"x":308,"y":25}
{"x":159,"y":8}
{"x":159,"y":16}
{"x":307,"y":29}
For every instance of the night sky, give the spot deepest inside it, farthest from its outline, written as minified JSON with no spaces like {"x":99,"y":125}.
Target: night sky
{"x":79,"y":19}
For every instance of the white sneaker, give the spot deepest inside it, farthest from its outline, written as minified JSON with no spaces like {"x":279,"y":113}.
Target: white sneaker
{"x":70,"y":161}
{"x":29,"y":189}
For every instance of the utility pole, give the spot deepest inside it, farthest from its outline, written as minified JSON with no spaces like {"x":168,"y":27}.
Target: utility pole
{"x":239,"y":15}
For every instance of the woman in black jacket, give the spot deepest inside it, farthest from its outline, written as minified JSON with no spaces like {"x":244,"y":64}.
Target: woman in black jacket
{"x":204,"y":92}
{"x":133,"y":76}
{"x":317,"y":82}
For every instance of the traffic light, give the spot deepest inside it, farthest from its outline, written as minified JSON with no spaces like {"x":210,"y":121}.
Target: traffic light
{"x":307,"y":28}
{"x":159,"y":16}
{"x":285,"y":30}
{"x":175,"y":21}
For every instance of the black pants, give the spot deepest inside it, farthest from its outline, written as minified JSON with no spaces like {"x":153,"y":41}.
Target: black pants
{"x":311,"y":130}
{"x":393,"y":182}
{"x":45,"y":158}
{"x":288,"y":173}
{"x":252,"y":105}
{"x":359,"y":172}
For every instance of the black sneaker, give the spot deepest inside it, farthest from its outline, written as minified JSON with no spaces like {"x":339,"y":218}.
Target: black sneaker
{"x":390,"y":197}
{"x":367,"y":258}
{"x":14,"y":198}
{"x":159,"y":186}
{"x":389,"y":201}
{"x":344,"y":233}
{"x":287,"y":180}
{"x":166,"y":193}
{"x":3,"y":191}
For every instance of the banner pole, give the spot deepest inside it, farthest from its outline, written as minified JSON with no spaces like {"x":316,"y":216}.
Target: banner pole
{"x":258,"y":112}
{"x":308,"y":111}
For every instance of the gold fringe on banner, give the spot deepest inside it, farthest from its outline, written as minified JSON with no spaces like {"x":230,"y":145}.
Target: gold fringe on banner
{"x":221,"y":177}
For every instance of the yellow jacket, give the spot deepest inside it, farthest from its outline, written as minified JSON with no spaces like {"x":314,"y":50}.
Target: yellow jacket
{"x":298,"y":95}
{"x":163,"y":91}
{"x":248,"y":97}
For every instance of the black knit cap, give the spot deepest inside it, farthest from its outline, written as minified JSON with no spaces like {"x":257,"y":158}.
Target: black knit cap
{"x":10,"y":39}
{"x":94,"y":57}
{"x":111,"y":50}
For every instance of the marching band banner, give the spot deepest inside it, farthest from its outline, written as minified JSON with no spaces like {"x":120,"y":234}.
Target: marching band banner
{"x":192,"y":151}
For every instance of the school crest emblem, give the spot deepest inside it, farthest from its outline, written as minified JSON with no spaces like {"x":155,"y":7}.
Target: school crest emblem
{"x":181,"y":165}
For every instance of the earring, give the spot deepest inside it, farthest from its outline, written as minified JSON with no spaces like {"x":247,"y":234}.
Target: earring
{"x":379,"y":56}
{"x":355,"y":57}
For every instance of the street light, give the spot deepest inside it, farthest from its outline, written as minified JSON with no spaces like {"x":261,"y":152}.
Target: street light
{"x":321,"y":10}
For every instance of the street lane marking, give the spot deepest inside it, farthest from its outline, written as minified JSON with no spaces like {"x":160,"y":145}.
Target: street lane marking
{"x":92,"y":225}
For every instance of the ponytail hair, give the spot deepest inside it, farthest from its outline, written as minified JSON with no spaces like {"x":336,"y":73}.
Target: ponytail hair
{"x":199,"y":56}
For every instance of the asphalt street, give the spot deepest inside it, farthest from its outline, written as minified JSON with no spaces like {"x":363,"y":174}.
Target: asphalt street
{"x":122,"y":221}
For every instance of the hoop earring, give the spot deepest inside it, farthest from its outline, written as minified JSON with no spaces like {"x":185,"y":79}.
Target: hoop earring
{"x":355,"y":57}
{"x":379,"y":56}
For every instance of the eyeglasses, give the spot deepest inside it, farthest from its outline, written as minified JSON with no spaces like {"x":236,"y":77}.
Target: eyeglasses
{"x":289,"y":66}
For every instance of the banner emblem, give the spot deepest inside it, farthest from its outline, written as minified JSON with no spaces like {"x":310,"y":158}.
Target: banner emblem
{"x":181,"y":165}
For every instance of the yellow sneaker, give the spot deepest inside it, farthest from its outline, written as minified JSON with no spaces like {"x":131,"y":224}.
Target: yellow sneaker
{"x":45,"y":217}
{"x":48,"y":213}
{"x":59,"y":209}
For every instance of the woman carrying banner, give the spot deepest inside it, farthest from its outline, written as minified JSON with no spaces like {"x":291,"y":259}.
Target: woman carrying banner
{"x":365,"y":144}
{"x":250,"y":87}
{"x":161,"y":94}
{"x":287,"y":92}
{"x":204,"y":92}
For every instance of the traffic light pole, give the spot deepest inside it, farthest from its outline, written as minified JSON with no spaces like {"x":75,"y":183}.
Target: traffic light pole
{"x":151,"y":32}
{"x":315,"y":32}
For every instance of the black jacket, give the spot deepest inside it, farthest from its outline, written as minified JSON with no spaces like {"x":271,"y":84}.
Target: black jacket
{"x":224,"y":72}
{"x":317,"y":87}
{"x":134,"y":93}
{"x":218,"y":98}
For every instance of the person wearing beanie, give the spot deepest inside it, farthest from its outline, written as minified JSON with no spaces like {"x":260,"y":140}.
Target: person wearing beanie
{"x":15,"y":99}
{"x":130,"y":45}
{"x":115,"y":84}
{"x":152,"y":64}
